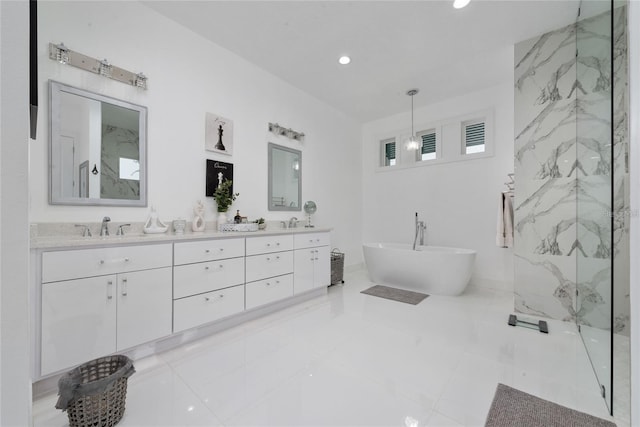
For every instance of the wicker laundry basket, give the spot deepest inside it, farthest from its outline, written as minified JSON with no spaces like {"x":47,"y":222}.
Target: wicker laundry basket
{"x":94,"y":393}
{"x":337,"y":267}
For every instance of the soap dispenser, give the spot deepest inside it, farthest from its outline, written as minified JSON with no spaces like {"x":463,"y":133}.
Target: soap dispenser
{"x":237,"y":219}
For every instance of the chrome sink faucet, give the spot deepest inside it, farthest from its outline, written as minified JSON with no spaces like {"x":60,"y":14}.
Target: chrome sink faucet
{"x":293,"y":222}
{"x":104,"y":230}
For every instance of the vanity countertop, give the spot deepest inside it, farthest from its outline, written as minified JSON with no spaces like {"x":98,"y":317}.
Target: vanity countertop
{"x":77,"y":241}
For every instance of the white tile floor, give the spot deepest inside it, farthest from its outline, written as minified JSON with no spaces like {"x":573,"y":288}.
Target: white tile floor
{"x":351,"y":359}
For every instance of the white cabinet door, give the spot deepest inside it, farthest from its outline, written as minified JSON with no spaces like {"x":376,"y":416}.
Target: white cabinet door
{"x":303,"y":279}
{"x":312,"y":269}
{"x":78,"y":321}
{"x":322,"y":267}
{"x":144,"y":306}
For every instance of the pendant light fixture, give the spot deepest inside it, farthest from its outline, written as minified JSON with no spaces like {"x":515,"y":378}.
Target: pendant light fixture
{"x":412,"y":143}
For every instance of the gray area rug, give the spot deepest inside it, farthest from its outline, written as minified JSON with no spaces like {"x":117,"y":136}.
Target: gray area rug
{"x":394,"y":294}
{"x":513,"y":407}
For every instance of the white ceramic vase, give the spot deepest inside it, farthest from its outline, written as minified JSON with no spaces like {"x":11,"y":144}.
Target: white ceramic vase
{"x":222,"y":218}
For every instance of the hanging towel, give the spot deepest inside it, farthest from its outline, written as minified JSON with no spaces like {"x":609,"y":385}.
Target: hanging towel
{"x":504,"y":232}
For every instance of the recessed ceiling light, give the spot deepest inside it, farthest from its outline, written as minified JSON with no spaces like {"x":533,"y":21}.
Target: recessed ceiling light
{"x":459,"y":4}
{"x":344,"y":60}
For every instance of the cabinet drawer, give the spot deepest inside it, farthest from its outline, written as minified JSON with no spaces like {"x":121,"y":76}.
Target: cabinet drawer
{"x":204,"y":308}
{"x":65,"y":265}
{"x":309,"y":240}
{"x":269,"y":290}
{"x":208,"y":250}
{"x":269,"y":244}
{"x":269,"y":265}
{"x":202,"y":277}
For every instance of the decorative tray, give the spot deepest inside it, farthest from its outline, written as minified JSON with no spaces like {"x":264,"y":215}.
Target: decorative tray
{"x":252,"y":226}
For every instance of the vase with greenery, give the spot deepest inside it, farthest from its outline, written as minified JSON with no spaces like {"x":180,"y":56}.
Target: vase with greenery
{"x":224,"y":198}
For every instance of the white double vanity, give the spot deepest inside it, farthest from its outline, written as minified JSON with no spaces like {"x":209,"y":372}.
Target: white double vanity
{"x":95,"y":297}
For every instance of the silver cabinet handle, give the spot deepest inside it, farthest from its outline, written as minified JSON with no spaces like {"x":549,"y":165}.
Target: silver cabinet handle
{"x":109,"y":288}
{"x":207,"y":299}
{"x":268,"y":284}
{"x":124,"y":287}
{"x":206,"y":267}
{"x":206,"y":251}
{"x":278,"y":244}
{"x":125,"y":259}
{"x":221,"y":249}
{"x":221,"y":266}
{"x":221,"y":295}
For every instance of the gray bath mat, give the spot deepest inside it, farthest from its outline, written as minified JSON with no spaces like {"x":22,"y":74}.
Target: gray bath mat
{"x":394,"y":294}
{"x":513,"y":407}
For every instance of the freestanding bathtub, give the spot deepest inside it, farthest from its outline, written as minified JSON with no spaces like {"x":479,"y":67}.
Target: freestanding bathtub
{"x":435,"y":270}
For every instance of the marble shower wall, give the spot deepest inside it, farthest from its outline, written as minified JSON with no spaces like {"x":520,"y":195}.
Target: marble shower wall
{"x":563,"y":172}
{"x":118,"y":142}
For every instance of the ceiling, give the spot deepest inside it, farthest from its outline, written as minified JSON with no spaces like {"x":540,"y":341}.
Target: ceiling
{"x":395,"y":45}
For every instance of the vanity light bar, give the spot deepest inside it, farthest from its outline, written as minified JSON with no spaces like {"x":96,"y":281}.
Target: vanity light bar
{"x":282,"y":131}
{"x":64,"y":55}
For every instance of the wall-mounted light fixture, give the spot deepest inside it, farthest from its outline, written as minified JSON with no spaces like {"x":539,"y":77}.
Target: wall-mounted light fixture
{"x":412,"y":143}
{"x":282,"y":131}
{"x":64,"y":55}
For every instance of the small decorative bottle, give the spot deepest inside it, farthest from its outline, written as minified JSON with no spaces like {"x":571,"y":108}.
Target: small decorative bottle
{"x":237,"y":219}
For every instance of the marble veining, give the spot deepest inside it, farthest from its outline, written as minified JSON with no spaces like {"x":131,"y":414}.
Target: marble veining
{"x":564,"y":166}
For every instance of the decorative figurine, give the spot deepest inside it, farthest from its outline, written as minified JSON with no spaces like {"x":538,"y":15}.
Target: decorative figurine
{"x":198,"y":218}
{"x":153,"y":224}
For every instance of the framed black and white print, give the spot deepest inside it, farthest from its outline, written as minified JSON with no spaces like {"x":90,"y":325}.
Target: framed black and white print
{"x":217,"y":173}
{"x":218,"y":135}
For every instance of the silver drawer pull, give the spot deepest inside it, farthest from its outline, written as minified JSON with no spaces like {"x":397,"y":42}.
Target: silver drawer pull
{"x":207,"y":299}
{"x":221,"y":295}
{"x":206,"y":267}
{"x":268,"y":284}
{"x":115,"y":260}
{"x":278,"y":244}
{"x":109,"y":286}
{"x":221,"y":266}
{"x":277,"y":281}
{"x":221,"y":249}
{"x":268,"y":244}
{"x":310,"y":240}
{"x":124,"y":287}
{"x":206,"y":251}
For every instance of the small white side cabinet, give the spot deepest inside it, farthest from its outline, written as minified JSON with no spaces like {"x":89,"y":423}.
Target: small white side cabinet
{"x":312,"y":268}
{"x":126,"y":302}
{"x":208,"y":281}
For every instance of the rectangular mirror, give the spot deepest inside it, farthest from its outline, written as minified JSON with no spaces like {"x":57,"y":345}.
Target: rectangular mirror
{"x":97,"y":149}
{"x":285,"y":178}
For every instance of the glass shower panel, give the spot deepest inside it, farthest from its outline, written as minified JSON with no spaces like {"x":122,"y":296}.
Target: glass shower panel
{"x":594,"y":197}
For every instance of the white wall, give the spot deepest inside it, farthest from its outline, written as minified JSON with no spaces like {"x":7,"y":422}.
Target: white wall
{"x":189,"y":76}
{"x":445,"y":195}
{"x":15,"y":380}
{"x":634,"y":141}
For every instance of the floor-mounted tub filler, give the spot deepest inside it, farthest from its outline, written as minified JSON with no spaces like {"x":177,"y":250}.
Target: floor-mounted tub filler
{"x":435,"y":270}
